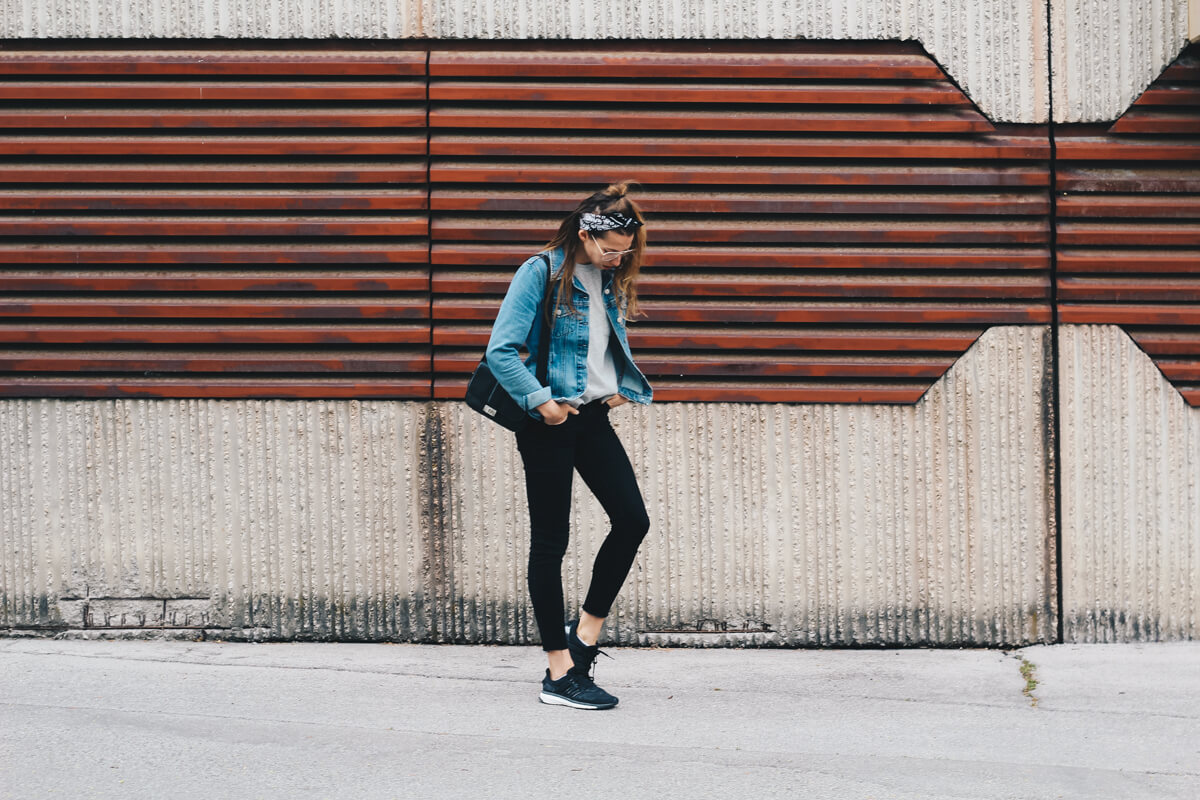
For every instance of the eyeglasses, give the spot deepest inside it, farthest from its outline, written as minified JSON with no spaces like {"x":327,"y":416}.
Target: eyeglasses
{"x":611,"y":255}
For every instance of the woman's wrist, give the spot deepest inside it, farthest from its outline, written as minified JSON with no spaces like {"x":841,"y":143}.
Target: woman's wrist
{"x":555,"y":413}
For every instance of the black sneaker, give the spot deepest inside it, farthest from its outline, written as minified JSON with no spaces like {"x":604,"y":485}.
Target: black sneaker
{"x":584,"y":655}
{"x":575,"y":690}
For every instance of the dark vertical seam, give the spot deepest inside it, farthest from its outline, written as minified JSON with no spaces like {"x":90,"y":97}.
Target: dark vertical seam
{"x":1055,"y":375}
{"x":435,"y":553}
{"x":429,"y":225}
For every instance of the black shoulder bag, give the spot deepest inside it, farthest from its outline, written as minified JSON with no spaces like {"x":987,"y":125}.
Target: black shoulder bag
{"x":488,"y":397}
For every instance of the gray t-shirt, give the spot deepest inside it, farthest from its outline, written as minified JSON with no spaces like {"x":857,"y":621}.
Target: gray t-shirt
{"x":602,"y":379}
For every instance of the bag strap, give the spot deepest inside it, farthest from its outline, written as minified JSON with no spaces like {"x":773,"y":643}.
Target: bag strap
{"x":543,"y":366}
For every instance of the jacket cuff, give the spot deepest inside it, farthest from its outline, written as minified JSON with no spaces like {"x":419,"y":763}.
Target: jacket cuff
{"x":535,"y":399}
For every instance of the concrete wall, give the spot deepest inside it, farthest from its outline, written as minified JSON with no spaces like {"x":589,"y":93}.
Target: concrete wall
{"x":1106,"y":52}
{"x":292,"y":515}
{"x":771,"y":524}
{"x":1130,"y":493}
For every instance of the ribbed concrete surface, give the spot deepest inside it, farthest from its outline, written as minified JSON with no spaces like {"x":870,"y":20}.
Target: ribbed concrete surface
{"x":1130,"y":493}
{"x":304,"y":518}
{"x":994,"y":49}
{"x":813,"y":524}
{"x":203,"y":19}
{"x":1106,"y":52}
{"x":772,"y":524}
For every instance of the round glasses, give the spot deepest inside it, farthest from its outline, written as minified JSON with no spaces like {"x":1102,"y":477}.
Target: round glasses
{"x":611,"y":255}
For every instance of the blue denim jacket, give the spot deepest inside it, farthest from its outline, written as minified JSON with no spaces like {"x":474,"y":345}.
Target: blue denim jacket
{"x":520,"y":321}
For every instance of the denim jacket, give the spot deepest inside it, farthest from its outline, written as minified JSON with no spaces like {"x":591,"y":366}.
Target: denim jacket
{"x":520,"y":321}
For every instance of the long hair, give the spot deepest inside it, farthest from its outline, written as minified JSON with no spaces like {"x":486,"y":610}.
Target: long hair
{"x":611,"y":199}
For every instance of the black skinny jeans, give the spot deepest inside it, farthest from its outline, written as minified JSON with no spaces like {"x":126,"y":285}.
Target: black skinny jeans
{"x":552,"y":453}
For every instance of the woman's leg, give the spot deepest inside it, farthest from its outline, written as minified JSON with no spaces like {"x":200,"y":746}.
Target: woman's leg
{"x":604,"y":466}
{"x":548,"y":452}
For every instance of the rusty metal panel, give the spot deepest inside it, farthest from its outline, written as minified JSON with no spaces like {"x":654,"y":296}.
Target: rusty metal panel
{"x":213,"y":221}
{"x":828,"y":221}
{"x":1128,"y":223}
{"x":824,"y":60}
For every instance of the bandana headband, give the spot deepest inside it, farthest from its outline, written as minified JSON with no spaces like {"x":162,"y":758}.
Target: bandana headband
{"x":597,"y":223}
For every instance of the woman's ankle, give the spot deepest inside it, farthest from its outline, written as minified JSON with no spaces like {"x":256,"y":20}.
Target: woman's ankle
{"x":559,"y":662}
{"x":589,"y":627}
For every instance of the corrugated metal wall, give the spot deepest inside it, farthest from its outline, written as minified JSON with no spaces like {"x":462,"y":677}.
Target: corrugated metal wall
{"x":214,"y":222}
{"x":831,"y":222}
{"x":1128,"y":223}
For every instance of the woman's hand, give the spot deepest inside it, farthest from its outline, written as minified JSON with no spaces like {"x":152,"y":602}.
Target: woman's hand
{"x":616,"y":400}
{"x":554,"y":413}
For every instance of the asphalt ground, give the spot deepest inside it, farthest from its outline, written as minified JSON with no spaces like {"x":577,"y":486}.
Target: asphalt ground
{"x":178,"y":720}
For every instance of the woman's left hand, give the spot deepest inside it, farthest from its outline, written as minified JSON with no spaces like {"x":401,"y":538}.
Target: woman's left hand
{"x":616,"y":400}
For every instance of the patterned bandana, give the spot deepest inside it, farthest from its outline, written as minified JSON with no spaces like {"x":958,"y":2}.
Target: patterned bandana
{"x":607,"y":222}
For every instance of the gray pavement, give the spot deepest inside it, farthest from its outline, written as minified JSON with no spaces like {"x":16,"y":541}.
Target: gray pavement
{"x":181,"y":720}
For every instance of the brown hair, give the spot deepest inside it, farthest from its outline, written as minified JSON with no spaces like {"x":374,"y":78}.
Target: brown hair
{"x":611,"y":199}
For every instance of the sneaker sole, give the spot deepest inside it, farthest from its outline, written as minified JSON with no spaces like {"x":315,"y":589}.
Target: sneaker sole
{"x":556,"y":700}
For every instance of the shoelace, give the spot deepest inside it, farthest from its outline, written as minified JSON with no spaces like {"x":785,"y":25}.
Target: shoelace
{"x":592,"y":661}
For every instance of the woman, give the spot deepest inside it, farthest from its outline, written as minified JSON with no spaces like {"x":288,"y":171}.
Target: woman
{"x":593,"y":264}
